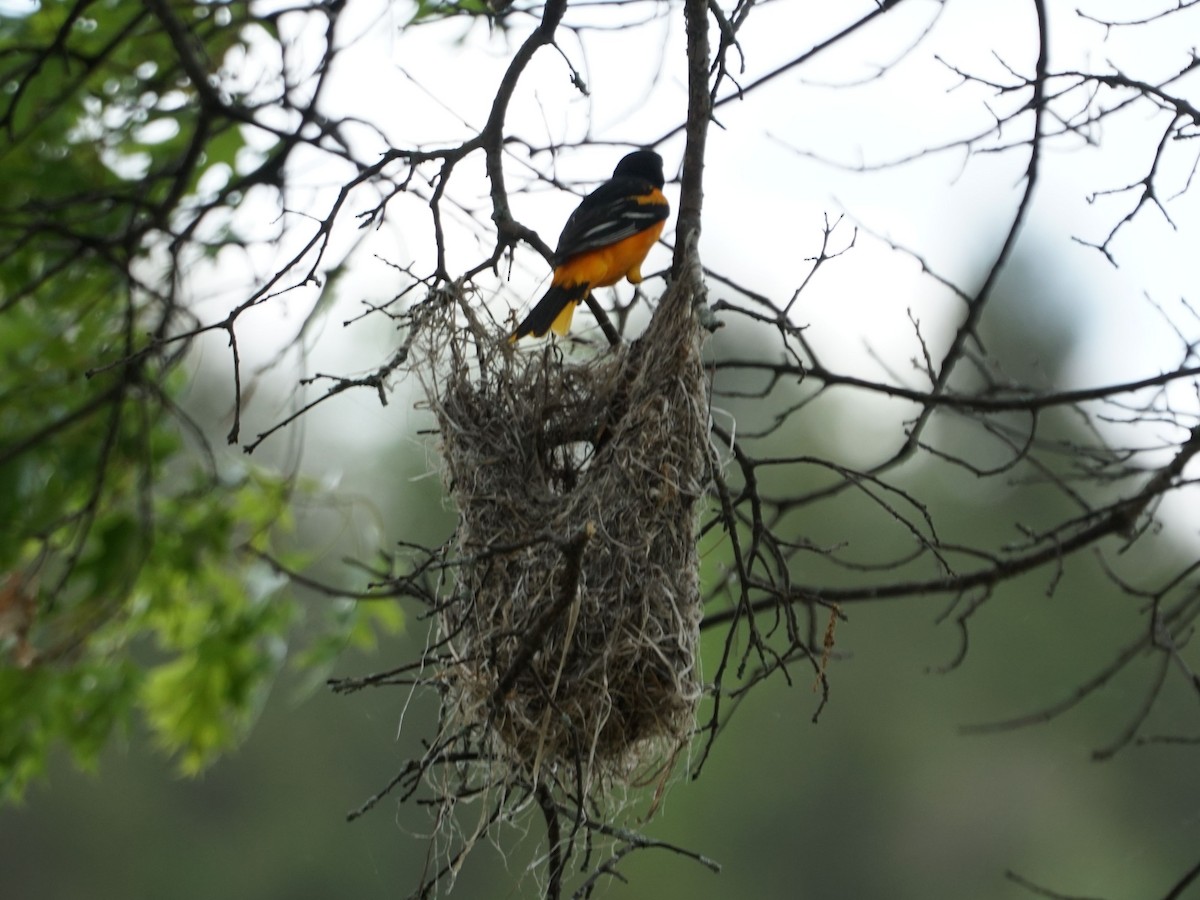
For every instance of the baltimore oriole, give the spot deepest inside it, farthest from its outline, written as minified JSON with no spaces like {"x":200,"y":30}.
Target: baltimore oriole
{"x":605,"y":239}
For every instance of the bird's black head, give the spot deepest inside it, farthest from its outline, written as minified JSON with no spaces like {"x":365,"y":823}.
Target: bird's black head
{"x":641,"y":164}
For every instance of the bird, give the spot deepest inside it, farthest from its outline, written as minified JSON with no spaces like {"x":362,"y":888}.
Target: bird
{"x":605,"y":239}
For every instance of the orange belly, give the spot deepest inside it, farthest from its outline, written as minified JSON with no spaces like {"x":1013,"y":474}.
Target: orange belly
{"x":607,"y":265}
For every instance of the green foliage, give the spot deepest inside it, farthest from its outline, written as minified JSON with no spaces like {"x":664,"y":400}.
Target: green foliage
{"x":429,"y":10}
{"x":134,"y":580}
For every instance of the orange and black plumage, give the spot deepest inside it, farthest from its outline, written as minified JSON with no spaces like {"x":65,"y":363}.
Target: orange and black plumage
{"x":605,"y":239}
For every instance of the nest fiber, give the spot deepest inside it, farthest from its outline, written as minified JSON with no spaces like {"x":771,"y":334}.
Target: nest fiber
{"x":571,"y":630}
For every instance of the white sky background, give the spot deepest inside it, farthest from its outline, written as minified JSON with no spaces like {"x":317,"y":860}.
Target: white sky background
{"x":765,"y":203}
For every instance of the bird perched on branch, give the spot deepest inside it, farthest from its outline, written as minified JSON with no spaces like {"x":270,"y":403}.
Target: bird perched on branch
{"x":605,"y":239}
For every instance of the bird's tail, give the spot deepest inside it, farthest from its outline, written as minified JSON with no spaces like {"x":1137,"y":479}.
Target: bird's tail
{"x":553,"y":312}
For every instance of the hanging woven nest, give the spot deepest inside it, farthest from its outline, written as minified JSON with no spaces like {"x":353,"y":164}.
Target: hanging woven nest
{"x":569,"y":637}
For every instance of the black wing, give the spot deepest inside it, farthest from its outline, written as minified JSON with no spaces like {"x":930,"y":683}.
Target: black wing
{"x":610,"y":214}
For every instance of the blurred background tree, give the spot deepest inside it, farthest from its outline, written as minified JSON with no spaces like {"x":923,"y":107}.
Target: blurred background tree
{"x":134,"y":581}
{"x":188,"y":197}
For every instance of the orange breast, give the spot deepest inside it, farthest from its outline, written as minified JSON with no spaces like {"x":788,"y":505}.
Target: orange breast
{"x":608,"y":265}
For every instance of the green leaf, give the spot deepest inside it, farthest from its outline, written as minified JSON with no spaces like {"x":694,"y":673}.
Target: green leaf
{"x":442,"y":9}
